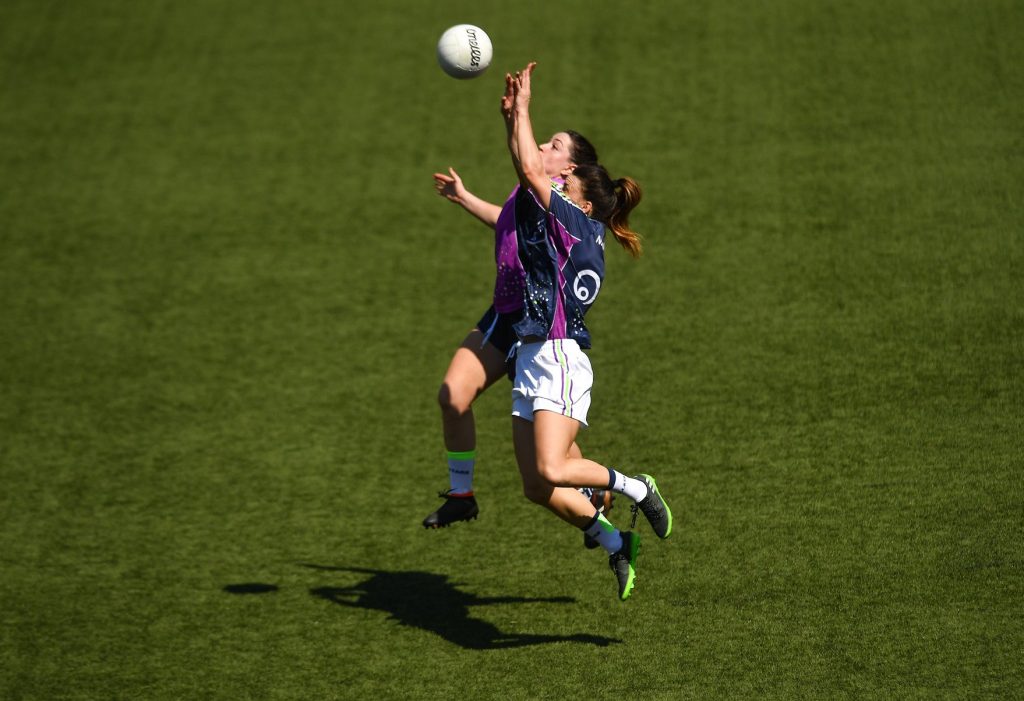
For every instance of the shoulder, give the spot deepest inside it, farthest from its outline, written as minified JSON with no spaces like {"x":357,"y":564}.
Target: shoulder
{"x":564,"y":208}
{"x":573,"y":218}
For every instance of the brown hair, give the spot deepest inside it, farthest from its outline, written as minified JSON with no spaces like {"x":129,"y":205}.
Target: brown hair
{"x":612,"y":201}
{"x":581,"y":150}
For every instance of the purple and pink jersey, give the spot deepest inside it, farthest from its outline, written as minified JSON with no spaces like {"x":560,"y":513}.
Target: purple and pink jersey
{"x":511,"y":277}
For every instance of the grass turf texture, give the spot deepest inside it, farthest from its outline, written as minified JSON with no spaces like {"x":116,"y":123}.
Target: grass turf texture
{"x":229,"y":293}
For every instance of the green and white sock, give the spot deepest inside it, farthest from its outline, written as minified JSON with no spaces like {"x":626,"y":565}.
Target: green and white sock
{"x":460,"y":471}
{"x":601,"y":530}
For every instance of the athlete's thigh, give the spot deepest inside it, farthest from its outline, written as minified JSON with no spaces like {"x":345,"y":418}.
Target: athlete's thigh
{"x":554,"y":436}
{"x":526,"y":460}
{"x":522,"y":444}
{"x":567,"y":503}
{"x":475,"y":366}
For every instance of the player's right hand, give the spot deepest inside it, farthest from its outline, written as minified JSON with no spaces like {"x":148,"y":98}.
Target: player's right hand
{"x":507,"y":98}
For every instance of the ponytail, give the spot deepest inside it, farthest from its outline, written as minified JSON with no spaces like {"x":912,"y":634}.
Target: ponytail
{"x":611,"y":202}
{"x":627,"y":196}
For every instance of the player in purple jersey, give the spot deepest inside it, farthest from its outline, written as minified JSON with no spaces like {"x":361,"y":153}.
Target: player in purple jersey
{"x":560,"y":234}
{"x":483,"y":357}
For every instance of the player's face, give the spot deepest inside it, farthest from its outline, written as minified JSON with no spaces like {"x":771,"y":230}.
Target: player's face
{"x":555,"y":155}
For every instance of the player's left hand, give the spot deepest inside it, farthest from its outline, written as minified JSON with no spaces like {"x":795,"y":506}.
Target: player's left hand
{"x":450,"y":186}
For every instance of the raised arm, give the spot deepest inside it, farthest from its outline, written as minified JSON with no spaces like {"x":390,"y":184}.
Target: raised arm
{"x":522,"y":143}
{"x":506,"y":109}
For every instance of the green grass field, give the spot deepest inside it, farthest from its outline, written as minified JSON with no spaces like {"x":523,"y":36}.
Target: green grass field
{"x":228,"y":294}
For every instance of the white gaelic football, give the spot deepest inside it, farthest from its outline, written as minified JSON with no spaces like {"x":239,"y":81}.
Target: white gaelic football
{"x":464,"y":51}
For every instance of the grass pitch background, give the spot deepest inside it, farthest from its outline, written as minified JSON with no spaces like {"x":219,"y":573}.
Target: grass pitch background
{"x":229,"y":293}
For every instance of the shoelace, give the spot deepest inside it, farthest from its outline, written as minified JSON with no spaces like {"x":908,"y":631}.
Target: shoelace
{"x":651,"y":512}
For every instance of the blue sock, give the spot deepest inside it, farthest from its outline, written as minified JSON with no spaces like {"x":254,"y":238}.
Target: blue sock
{"x":601,"y":530}
{"x":460,"y":471}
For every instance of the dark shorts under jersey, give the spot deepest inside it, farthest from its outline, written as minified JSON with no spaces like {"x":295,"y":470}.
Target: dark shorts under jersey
{"x":497,"y":329}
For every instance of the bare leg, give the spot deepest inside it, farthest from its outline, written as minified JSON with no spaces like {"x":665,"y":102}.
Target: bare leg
{"x":565,"y":502}
{"x":556,"y":463}
{"x":472,"y":370}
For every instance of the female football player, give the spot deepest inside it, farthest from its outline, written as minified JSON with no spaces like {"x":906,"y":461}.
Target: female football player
{"x":560,"y":241}
{"x":483,"y":357}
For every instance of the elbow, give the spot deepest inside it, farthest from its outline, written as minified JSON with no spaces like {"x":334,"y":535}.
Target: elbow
{"x":533,"y":173}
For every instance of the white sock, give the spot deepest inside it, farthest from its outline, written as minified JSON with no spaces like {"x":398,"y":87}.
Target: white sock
{"x":605,"y":533}
{"x":460,"y":471}
{"x":633,"y":488}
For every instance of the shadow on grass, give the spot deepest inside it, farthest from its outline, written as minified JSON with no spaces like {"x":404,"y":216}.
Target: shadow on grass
{"x":430,"y":602}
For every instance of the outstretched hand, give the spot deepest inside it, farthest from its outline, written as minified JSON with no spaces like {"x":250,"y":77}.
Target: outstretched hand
{"x":450,"y":186}
{"x":507,"y":98}
{"x":517,"y":91}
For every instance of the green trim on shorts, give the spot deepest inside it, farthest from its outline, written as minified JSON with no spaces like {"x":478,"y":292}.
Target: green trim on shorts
{"x":563,"y":363}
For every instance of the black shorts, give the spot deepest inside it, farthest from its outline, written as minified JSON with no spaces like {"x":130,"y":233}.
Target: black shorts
{"x":497,"y":329}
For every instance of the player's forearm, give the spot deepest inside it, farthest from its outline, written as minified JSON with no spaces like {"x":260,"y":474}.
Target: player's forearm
{"x":531,"y":166}
{"x":513,"y":148}
{"x":485,"y":211}
{"x":512,"y":127}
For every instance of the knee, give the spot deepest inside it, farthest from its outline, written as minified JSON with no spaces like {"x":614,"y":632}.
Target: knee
{"x":452,"y":401}
{"x":553,"y":470}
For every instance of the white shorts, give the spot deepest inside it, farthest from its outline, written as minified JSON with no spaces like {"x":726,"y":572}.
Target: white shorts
{"x":552,"y":376}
